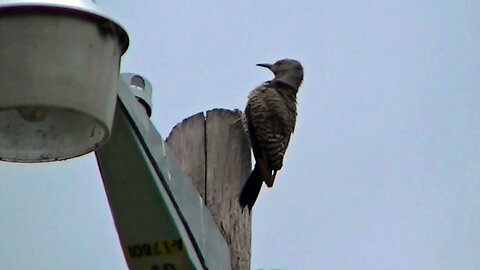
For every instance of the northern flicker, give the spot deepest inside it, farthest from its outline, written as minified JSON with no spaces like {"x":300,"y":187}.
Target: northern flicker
{"x":269,"y":120}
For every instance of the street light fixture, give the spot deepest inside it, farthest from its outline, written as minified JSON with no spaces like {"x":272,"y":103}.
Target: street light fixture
{"x":59,"y":65}
{"x":59,"y":87}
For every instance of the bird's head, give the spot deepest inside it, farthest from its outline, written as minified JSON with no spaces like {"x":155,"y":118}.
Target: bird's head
{"x":288,"y":71}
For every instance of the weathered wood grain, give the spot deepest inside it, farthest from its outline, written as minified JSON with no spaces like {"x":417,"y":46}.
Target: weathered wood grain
{"x":215,"y":153}
{"x":187,"y":142}
{"x":228,"y":167}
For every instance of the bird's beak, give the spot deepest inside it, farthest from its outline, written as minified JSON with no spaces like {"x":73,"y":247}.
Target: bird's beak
{"x":269,"y":66}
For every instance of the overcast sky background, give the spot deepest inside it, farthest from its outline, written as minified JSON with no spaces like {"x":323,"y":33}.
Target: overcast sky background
{"x":383,"y":171}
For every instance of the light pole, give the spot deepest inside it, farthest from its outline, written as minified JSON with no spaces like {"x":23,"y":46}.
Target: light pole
{"x":60,"y":92}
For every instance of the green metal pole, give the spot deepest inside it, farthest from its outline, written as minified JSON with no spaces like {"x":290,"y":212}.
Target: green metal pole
{"x":161,"y":220}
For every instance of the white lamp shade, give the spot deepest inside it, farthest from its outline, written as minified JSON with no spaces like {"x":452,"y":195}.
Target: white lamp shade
{"x":58,"y":73}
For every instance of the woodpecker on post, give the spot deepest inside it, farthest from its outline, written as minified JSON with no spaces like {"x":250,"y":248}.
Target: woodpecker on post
{"x":269,"y":120}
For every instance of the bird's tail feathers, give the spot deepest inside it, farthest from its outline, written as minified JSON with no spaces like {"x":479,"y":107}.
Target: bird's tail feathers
{"x":251,"y":189}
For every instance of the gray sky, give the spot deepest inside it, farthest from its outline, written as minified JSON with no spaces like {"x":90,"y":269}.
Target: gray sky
{"x":383,"y":171}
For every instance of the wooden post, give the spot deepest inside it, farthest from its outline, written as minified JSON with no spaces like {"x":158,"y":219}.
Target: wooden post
{"x":215,"y":153}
